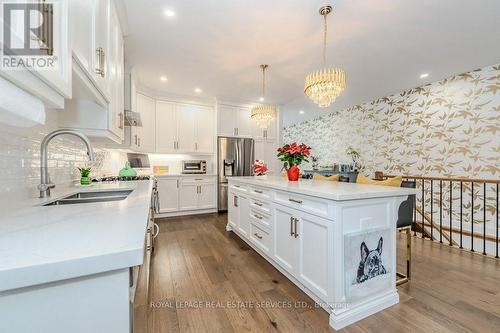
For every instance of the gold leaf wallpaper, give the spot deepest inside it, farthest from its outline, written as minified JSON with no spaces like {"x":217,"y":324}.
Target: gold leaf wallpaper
{"x":449,"y":128}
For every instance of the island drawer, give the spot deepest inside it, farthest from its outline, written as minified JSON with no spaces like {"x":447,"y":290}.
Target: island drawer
{"x":261,"y":206}
{"x":197,"y":179}
{"x":239,"y":188}
{"x":262,"y":219}
{"x":261,"y":193}
{"x":307,"y":204}
{"x":260,"y":237}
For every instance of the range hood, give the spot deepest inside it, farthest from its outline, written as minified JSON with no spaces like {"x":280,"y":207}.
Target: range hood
{"x":132,"y":118}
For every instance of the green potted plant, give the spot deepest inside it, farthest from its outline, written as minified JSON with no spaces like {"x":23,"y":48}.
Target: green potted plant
{"x":354,"y":154}
{"x":84,"y":176}
{"x":292,"y":156}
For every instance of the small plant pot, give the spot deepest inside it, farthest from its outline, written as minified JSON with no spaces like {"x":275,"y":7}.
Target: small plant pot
{"x":85,"y":181}
{"x":293,"y":173}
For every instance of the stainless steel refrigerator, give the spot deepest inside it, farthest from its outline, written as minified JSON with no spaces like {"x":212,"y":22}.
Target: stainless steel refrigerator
{"x":235,"y":157}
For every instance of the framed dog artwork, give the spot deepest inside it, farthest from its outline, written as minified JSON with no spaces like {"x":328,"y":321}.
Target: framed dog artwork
{"x":367,"y":266}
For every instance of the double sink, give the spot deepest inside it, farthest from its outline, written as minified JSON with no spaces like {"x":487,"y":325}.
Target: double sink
{"x":90,"y":197}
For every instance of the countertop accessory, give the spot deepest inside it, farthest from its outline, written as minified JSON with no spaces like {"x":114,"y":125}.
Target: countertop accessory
{"x":84,"y":176}
{"x":127,"y":171}
{"x":292,"y":155}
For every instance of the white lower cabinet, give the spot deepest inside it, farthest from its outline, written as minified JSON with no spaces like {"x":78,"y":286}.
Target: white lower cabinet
{"x":284,"y":245}
{"x":233,"y":212}
{"x":169,"y":194}
{"x":186,"y":193}
{"x":244,"y":218}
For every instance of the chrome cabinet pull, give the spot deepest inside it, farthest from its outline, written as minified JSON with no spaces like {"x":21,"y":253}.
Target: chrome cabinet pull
{"x":258,"y":216}
{"x":291,"y":225}
{"x":177,"y":183}
{"x":100,"y":62}
{"x":196,"y":146}
{"x":258,"y":191}
{"x":120,"y":126}
{"x":235,"y":201}
{"x":198,"y":179}
{"x":295,"y":200}
{"x":295,"y":227}
{"x":236,"y":185}
{"x":257,"y":204}
{"x":257,"y":235}
{"x":135,"y":139}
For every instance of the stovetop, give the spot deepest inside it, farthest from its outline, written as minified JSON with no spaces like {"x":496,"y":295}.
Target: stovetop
{"x":120,"y":178}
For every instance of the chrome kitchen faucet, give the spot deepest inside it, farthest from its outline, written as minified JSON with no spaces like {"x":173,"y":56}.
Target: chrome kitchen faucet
{"x":45,"y":184}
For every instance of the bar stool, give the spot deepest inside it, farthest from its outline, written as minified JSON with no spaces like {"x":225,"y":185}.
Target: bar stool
{"x":405,"y":221}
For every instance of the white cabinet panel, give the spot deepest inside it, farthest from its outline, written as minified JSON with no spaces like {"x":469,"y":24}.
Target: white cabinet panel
{"x":266,"y":150}
{"x":205,"y":134}
{"x":233,"y":212}
{"x":188,"y":197}
{"x":244,"y":222}
{"x":313,"y":253}
{"x":101,"y":25}
{"x":145,"y":139}
{"x":116,"y":78}
{"x":245,"y":124}
{"x":166,"y":127}
{"x":168,"y":189}
{"x":206,"y":196}
{"x":226,"y":120}
{"x":186,"y":127}
{"x":284,"y":244}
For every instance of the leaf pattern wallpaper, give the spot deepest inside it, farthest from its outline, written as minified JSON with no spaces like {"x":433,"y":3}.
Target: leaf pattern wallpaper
{"x":449,"y":128}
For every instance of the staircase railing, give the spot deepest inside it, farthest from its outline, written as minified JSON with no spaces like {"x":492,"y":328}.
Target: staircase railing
{"x":460,"y":212}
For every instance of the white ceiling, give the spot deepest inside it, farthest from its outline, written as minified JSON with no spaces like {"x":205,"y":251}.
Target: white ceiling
{"x":383,"y":46}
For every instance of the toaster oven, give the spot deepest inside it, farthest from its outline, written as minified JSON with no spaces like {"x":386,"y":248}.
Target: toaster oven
{"x":194,"y":166}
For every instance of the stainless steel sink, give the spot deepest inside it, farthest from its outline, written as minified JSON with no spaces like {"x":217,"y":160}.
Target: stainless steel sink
{"x":89,"y":197}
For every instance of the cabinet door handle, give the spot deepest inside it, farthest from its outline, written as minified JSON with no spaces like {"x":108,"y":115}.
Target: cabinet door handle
{"x":291,"y":225}
{"x":100,"y":62}
{"x":257,"y":203}
{"x":175,"y":146}
{"x":135,"y":139}
{"x":198,"y":179}
{"x":295,"y":227}
{"x":258,"y":216}
{"x":177,"y":183}
{"x":295,"y":200}
{"x":236,"y":185}
{"x":257,"y":235}
{"x":196,"y":146}
{"x":120,"y":126}
{"x":235,"y":201}
{"x":258,"y":191}
{"x":200,"y":188}
{"x":139,"y":141}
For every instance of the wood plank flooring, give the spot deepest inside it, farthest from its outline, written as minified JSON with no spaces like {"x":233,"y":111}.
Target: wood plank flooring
{"x":207,"y":280}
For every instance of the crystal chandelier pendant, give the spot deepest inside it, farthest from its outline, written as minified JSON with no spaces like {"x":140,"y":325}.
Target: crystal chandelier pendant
{"x":325,"y":85}
{"x":263,"y":114}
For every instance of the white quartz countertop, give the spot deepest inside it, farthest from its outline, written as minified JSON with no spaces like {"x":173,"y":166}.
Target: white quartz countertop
{"x":44,"y":244}
{"x":338,"y":191}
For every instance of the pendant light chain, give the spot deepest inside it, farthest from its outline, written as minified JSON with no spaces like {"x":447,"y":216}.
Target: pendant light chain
{"x":264,"y":80}
{"x":324,"y":40}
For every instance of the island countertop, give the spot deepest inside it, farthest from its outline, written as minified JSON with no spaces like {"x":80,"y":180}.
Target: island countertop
{"x":331,"y":190}
{"x":41,"y":244}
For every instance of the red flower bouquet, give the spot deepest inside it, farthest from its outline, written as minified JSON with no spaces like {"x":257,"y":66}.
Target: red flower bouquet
{"x":292,"y":156}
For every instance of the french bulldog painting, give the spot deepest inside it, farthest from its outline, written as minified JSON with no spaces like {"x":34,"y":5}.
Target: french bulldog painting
{"x":371,"y":262}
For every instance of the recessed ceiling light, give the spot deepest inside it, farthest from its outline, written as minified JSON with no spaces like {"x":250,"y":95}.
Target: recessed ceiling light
{"x":261,"y":99}
{"x":163,"y":78}
{"x":424,"y":75}
{"x":169,"y":13}
{"x":197,"y":90}
{"x":301,"y":111}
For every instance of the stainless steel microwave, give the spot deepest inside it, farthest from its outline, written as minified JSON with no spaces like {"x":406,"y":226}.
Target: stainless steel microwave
{"x":194,"y":166}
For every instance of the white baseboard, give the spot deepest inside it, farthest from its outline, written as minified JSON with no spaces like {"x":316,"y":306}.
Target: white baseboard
{"x":186,"y":212}
{"x":343,"y":318}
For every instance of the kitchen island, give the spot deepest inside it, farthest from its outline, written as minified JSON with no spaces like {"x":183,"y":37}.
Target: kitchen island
{"x":335,"y":241}
{"x":74,"y":267}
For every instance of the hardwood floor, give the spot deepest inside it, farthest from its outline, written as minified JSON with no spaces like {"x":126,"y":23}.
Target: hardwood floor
{"x":207,"y":280}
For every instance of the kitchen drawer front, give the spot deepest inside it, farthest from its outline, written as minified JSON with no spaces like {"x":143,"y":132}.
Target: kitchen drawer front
{"x":197,"y":179}
{"x":259,"y":205}
{"x":239,"y":188}
{"x":260,"y":237}
{"x":263,"y":220}
{"x":261,"y":193}
{"x":307,"y":204}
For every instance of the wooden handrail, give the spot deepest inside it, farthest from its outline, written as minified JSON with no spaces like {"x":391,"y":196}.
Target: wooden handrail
{"x":463,"y":180}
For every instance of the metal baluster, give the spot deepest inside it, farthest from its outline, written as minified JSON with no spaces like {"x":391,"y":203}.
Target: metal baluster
{"x":472,"y":217}
{"x":484,"y":218}
{"x":451,"y":215}
{"x":415,"y":214}
{"x":423,"y":208}
{"x":496,"y":256}
{"x":440,"y":211}
{"x":461,"y":211}
{"x":432,"y":209}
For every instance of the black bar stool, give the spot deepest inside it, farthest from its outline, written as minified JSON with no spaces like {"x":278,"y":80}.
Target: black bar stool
{"x":405,"y":221}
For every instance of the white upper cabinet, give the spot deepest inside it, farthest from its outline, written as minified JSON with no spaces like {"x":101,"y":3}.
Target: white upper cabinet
{"x":144,"y":137}
{"x":236,"y":121}
{"x":50,"y":84}
{"x":184,"y":128}
{"x":97,"y":104}
{"x":266,"y":150}
{"x":166,"y":127}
